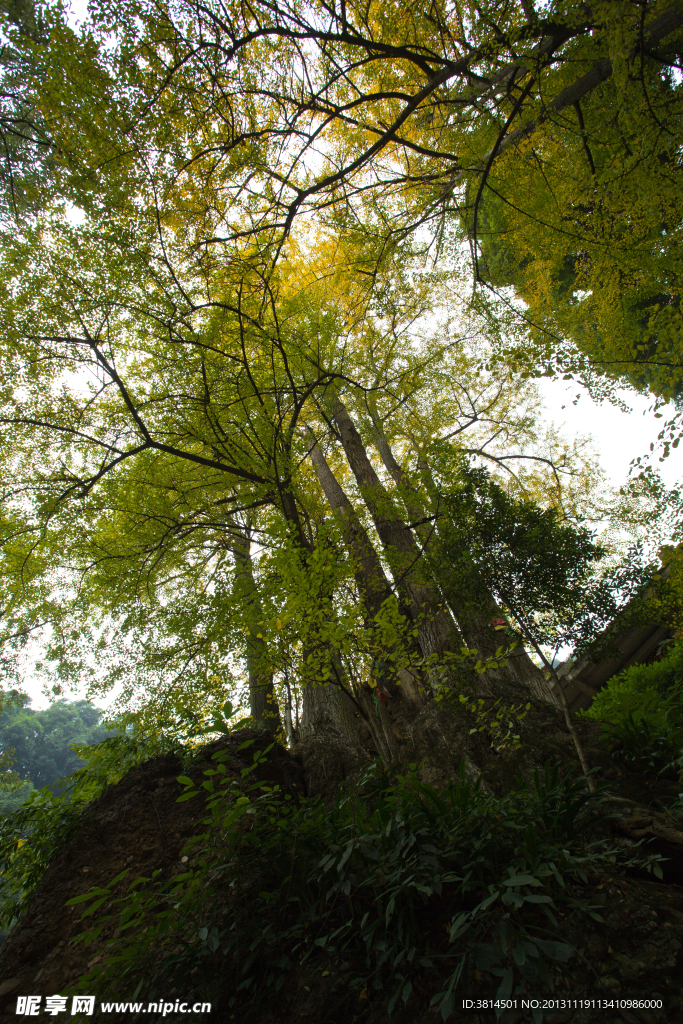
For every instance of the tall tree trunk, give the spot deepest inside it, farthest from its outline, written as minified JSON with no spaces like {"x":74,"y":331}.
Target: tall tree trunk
{"x":373,"y":584}
{"x":349,"y":711}
{"x":262,"y":703}
{"x":290,"y":729}
{"x":320,"y":714}
{"x":329,"y":746}
{"x":475,"y":623}
{"x":404,"y":555}
{"x":416,"y":507}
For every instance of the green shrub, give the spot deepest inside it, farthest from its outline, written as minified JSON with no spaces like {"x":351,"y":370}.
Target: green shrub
{"x":642,"y":714}
{"x":398,"y":888}
{"x":29,"y":838}
{"x":32,"y":833}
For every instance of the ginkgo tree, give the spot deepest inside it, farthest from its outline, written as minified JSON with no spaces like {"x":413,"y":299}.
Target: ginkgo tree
{"x":188,"y":373}
{"x":149,"y":415}
{"x":202,"y":428}
{"x":544,"y":138}
{"x":265,"y":462}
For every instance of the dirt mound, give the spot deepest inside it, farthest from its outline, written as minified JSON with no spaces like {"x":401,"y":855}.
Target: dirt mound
{"x":136,"y":824}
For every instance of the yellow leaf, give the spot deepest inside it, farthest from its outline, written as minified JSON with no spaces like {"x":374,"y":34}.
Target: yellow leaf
{"x":364,"y":994}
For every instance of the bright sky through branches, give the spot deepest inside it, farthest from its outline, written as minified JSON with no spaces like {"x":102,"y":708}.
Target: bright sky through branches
{"x":619,"y":437}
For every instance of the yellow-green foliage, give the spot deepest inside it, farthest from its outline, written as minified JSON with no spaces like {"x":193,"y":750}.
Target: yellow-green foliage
{"x":642,"y":713}
{"x":652,"y":691}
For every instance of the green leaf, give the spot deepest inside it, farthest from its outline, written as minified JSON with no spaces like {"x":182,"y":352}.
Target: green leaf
{"x":519,"y":955}
{"x":487,"y":902}
{"x":505,"y":987}
{"x":82,"y":899}
{"x":559,"y":951}
{"x":95,"y":906}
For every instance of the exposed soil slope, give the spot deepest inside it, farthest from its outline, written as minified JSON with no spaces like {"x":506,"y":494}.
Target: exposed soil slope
{"x":136,"y":824}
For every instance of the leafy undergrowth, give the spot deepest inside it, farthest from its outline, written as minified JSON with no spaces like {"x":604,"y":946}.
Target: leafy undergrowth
{"x":641,"y":712}
{"x":411,"y":896}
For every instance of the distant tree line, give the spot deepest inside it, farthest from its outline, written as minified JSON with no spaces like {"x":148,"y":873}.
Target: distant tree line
{"x":36,"y":744}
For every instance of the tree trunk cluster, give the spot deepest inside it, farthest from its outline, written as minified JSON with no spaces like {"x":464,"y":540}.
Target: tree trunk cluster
{"x":396,"y":713}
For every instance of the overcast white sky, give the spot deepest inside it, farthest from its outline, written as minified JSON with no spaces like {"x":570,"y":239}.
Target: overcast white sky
{"x":619,"y":437}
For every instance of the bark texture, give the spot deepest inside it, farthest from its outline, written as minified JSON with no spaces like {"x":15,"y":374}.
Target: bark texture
{"x":403,"y":553}
{"x":329,"y":749}
{"x":372,"y":581}
{"x":263,"y":706}
{"x":416,"y":507}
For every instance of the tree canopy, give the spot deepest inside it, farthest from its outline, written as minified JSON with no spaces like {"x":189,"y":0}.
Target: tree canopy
{"x":231,"y":362}
{"x":275,"y":283}
{"x":546,"y":140}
